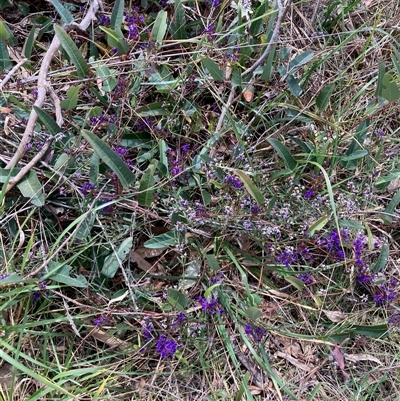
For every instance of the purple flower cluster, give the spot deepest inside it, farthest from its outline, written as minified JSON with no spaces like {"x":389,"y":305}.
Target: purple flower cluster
{"x":86,"y":188}
{"x":104,"y":20}
{"x":287,"y":257}
{"x":235,"y":182}
{"x":394,"y":320}
{"x":144,"y":124}
{"x":257,"y":333}
{"x":123,"y":153}
{"x":100,"y":320}
{"x":333,"y":244}
{"x":103,"y":119}
{"x":386,"y":293}
{"x":210,"y":307}
{"x":147,"y":329}
{"x":134,"y":21}
{"x":3,"y":276}
{"x":310,"y":193}
{"x":166,"y":347}
{"x":179,"y":319}
{"x":306,"y":278}
{"x":210,"y":32}
{"x":120,"y":88}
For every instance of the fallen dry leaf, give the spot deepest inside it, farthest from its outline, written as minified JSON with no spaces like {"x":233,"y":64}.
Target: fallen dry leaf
{"x":294,"y":361}
{"x":361,"y":357}
{"x":340,"y":360}
{"x":335,"y":316}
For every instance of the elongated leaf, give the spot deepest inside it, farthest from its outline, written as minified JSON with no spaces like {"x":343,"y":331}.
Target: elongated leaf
{"x":111,"y":262}
{"x":294,"y":87}
{"x":11,"y":279}
{"x":153,"y":109}
{"x":390,"y":207}
{"x":318,"y":225}
{"x":250,"y":187}
{"x":47,"y":121}
{"x":72,"y":98}
{"x":110,"y":158}
{"x":160,"y":26}
{"x":115,"y":39}
{"x":73,"y":52}
{"x":146,"y":190}
{"x":117,"y":14}
{"x":379,"y":82}
{"x":4,"y":34}
{"x":300,"y":60}
{"x":5,"y":61}
{"x":358,"y":154}
{"x":382,"y":259}
{"x":28,"y":45}
{"x":31,"y":187}
{"x":213,"y":69}
{"x":161,"y":241}
{"x":179,"y":26}
{"x":63,"y":275}
{"x":7,"y":174}
{"x":377,"y":331}
{"x":296,"y":283}
{"x":63,"y":12}
{"x":323,"y":97}
{"x":284,"y":153}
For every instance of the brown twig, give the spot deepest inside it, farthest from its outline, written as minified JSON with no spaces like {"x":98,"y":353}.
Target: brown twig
{"x":42,"y":86}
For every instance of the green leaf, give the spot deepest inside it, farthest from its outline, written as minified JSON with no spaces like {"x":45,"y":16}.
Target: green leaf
{"x":177,"y":299}
{"x":83,"y":233}
{"x":31,"y":187}
{"x":112,"y":261}
{"x":146,"y":188}
{"x":358,"y":154}
{"x":178,"y":28}
{"x":209,"y":290}
{"x":390,"y":91}
{"x":212,"y":263}
{"x":318,"y":225}
{"x":253,"y":313}
{"x":110,"y":158}
{"x":388,"y":178}
{"x":297,"y":283}
{"x":115,"y":39}
{"x":107,"y":77}
{"x":164,"y":240}
{"x":153,"y":110}
{"x":5,"y":61}
{"x":13,"y":278}
{"x":4,"y":34}
{"x":28,"y":45}
{"x":64,"y":14}
{"x":294,"y":87}
{"x":269,"y":68}
{"x":213,"y":69}
{"x":162,"y":146}
{"x":47,"y":121}
{"x":300,"y":60}
{"x":72,"y":98}
{"x":117,"y":14}
{"x":73,"y":52}
{"x":63,"y":275}
{"x":382,"y":259}
{"x":323,"y":97}
{"x":377,"y":331}
{"x":251,"y":188}
{"x":390,"y":208}
{"x":160,"y":27}
{"x":284,"y":153}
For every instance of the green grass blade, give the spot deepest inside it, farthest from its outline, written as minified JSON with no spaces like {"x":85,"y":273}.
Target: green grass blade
{"x":73,"y":52}
{"x":28,"y":45}
{"x":110,"y":158}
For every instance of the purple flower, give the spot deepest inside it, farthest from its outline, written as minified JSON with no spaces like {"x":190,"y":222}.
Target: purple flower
{"x":380,"y":133}
{"x":104,"y":20}
{"x":394,"y":320}
{"x":147,"y":329}
{"x":364,"y":276}
{"x":306,"y":278}
{"x":185,"y":148}
{"x":386,"y":293}
{"x":210,"y":307}
{"x":36,"y":296}
{"x":3,"y":276}
{"x":166,"y":347}
{"x":287,"y":257}
{"x":99,"y":320}
{"x":256,"y":332}
{"x":179,"y":319}
{"x":87,"y":188}
{"x":235,"y":182}
{"x":309,"y":194}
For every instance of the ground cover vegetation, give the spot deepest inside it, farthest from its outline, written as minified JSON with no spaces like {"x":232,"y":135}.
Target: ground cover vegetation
{"x":199,"y":200}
